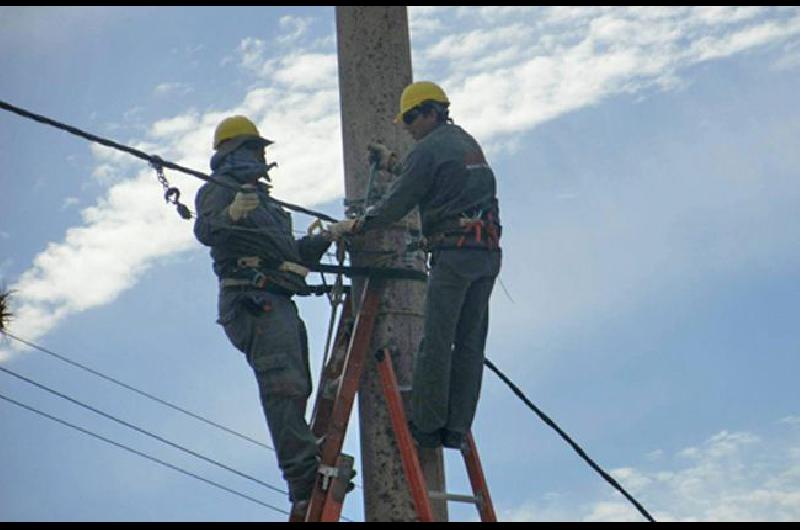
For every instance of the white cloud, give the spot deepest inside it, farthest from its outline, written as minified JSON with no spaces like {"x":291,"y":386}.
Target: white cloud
{"x":69,"y":202}
{"x":790,"y":60}
{"x":132,"y":114}
{"x":172,"y":126}
{"x":533,"y":64}
{"x":251,"y":52}
{"x":308,"y":71}
{"x":120,"y":238}
{"x":732,"y":476}
{"x":467,"y":45}
{"x":420,"y":22}
{"x":295,"y":28}
{"x":172,"y":87}
{"x":112,"y":164}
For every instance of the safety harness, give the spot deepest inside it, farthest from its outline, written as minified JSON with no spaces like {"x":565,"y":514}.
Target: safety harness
{"x":476,"y":230}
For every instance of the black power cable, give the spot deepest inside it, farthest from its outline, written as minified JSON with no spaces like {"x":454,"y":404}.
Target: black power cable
{"x":489,"y":364}
{"x":153,"y":160}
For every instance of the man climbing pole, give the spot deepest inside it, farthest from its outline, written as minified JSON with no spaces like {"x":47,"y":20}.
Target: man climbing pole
{"x":256,"y":259}
{"x":446,"y":175}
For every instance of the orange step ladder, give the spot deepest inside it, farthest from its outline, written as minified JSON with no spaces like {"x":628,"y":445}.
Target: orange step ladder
{"x":334,"y":403}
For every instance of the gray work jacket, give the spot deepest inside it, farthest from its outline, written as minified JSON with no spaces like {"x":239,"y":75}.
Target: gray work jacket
{"x":445,"y":174}
{"x":266,"y":232}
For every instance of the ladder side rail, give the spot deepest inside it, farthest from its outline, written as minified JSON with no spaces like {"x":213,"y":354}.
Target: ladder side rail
{"x":334,"y":497}
{"x":323,"y":405}
{"x":477,"y":479}
{"x":408,"y":453}
{"x":345,"y":396}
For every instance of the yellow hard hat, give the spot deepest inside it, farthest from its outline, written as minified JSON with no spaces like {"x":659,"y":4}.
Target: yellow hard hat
{"x":419,"y":92}
{"x":236,"y":126}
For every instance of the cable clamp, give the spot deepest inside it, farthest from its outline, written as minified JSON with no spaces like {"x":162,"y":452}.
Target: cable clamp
{"x":327,"y":473}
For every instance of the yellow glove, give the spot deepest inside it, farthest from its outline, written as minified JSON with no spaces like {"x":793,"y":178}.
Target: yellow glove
{"x":242,"y":204}
{"x":342,"y":228}
{"x":385,"y":157}
{"x":296,"y":268}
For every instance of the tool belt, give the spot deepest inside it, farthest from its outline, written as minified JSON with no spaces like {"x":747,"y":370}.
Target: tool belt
{"x":254,"y":272}
{"x":246,"y":285}
{"x":236,"y":284}
{"x":481,"y":232}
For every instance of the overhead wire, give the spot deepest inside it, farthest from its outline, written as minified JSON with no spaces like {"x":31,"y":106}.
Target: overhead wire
{"x":140,"y":430}
{"x":144,"y":394}
{"x":489,"y":364}
{"x":153,"y":160}
{"x":142,"y":454}
{"x":136,"y":390}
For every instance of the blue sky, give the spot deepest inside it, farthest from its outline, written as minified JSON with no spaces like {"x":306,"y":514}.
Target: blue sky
{"x":647,"y":169}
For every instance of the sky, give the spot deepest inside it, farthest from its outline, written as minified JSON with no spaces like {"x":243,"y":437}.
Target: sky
{"x":647,"y":169}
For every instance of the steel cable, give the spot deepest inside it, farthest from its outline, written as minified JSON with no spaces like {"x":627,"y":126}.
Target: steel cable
{"x":569,"y":440}
{"x":153,"y":160}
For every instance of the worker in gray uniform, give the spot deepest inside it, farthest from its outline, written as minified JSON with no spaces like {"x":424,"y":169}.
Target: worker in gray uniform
{"x":257,"y":261}
{"x":447,"y":177}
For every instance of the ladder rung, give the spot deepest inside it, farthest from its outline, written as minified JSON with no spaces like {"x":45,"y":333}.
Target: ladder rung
{"x":438,"y":495}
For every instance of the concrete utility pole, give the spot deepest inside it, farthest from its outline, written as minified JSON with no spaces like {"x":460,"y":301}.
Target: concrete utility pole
{"x":374,"y":68}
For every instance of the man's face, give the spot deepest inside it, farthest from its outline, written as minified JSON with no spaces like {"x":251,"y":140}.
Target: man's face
{"x":418,"y":125}
{"x":258,"y":149}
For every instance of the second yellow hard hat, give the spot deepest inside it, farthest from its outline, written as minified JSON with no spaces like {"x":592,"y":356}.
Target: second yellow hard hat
{"x":417,"y":93}
{"x":236,"y":126}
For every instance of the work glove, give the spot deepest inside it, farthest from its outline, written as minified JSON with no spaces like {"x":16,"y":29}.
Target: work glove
{"x":296,"y":268}
{"x":312,"y":248}
{"x":242,"y":204}
{"x":384,"y":156}
{"x":342,"y":228}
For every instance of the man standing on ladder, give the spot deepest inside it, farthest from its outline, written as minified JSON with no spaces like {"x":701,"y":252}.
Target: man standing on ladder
{"x":446,"y":175}
{"x":257,"y":260}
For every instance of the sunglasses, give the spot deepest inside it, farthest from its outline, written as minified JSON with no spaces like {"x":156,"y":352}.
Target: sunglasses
{"x":411,"y":115}
{"x":254,"y":145}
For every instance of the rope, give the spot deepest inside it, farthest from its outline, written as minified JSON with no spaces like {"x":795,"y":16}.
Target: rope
{"x":143,"y":455}
{"x":140,"y":430}
{"x":136,"y":390}
{"x":489,"y":364}
{"x":154,"y":161}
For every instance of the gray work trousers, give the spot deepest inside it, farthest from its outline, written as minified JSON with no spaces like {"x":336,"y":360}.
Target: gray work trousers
{"x":448,"y":368}
{"x":267,"y":328}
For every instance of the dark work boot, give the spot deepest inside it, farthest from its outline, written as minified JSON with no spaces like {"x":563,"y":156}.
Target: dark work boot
{"x":299,"y":509}
{"x":430,"y":440}
{"x":453,"y":439}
